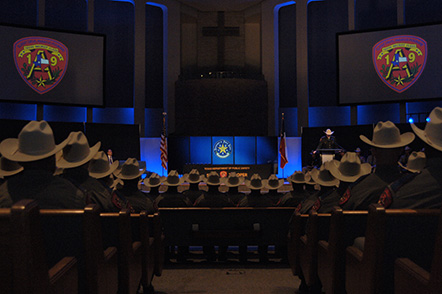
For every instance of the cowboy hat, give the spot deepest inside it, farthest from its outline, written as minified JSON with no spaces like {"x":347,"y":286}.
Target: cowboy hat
{"x":193,"y":177}
{"x":273,"y":183}
{"x":387,"y":135}
{"x":299,"y":177}
{"x":35,"y":141}
{"x":153,"y":181}
{"x":99,"y":166}
{"x":233,"y":180}
{"x":77,"y":152}
{"x":129,"y":170}
{"x":328,"y":132}
{"x":255,"y":182}
{"x":323,"y":177}
{"x":172,"y":179}
{"x":416,"y":162}
{"x":349,"y":169}
{"x":432,"y":134}
{"x":213,"y":179}
{"x":8,"y":167}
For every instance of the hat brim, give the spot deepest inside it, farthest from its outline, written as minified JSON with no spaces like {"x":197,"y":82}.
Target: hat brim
{"x":248,"y":185}
{"x":406,"y":139}
{"x":280,"y":184}
{"x":415,"y":171}
{"x":334,"y":170}
{"x":9,"y":149}
{"x":111,"y":169}
{"x":118,"y":174}
{"x":164,"y":181}
{"x":8,"y":173}
{"x":315,"y":174}
{"x":225,"y":181}
{"x":63,"y":163}
{"x":186,"y":179}
{"x":423,"y":136}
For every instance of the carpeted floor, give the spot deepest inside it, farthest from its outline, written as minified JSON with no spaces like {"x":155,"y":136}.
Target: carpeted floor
{"x":199,"y":276}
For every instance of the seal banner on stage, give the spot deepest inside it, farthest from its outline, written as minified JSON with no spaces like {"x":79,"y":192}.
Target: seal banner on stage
{"x":41,"y":62}
{"x":400,"y":60}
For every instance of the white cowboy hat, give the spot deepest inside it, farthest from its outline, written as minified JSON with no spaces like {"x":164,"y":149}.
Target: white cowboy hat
{"x":273,"y":183}
{"x":416,"y":162}
{"x":233,"y":180}
{"x":193,"y":177}
{"x":172,"y":179}
{"x":299,"y":177}
{"x":328,"y":132}
{"x":387,"y":135}
{"x":432,"y":134}
{"x":99,"y":166}
{"x":213,"y":179}
{"x":349,"y":169}
{"x":255,"y":182}
{"x":35,"y":141}
{"x":9,"y":168}
{"x":129,"y":170}
{"x":323,"y":177}
{"x":153,"y":181}
{"x":77,"y":152}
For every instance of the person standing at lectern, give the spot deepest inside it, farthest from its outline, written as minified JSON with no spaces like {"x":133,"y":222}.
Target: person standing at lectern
{"x":328,"y":141}
{"x":109,"y":156}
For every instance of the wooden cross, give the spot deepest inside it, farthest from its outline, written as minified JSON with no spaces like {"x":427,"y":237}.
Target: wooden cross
{"x":220,"y":32}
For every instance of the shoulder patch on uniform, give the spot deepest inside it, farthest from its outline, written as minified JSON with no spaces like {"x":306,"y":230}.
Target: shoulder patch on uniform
{"x":299,"y":207}
{"x":386,"y":198}
{"x":317,"y":204}
{"x":344,"y":198}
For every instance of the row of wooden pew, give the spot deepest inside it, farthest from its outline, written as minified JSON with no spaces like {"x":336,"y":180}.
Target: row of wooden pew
{"x":78,"y":251}
{"x":379,"y":251}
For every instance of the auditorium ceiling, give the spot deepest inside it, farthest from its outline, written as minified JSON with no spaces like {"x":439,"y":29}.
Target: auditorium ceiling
{"x":220,"y":5}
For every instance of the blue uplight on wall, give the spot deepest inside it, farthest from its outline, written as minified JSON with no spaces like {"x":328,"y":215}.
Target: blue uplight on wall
{"x":410,"y":120}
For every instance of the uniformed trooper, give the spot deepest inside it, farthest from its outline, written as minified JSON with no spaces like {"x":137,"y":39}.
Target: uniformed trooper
{"x":272,"y":184}
{"x":153,"y":182}
{"x":421,"y":190}
{"x":348,"y":170}
{"x":415,"y":163}
{"x":74,"y":161}
{"x":387,"y":145}
{"x":232,"y":182}
{"x":130,"y":172}
{"x":194,"y":179}
{"x":35,"y":150}
{"x":172,"y":197}
{"x":298,"y":193}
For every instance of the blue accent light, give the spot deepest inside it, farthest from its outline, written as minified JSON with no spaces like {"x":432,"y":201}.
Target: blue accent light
{"x":244,"y":150}
{"x":64,"y":113}
{"x":410,"y":120}
{"x":427,"y":119}
{"x":18,"y":111}
{"x":201,"y":150}
{"x":114,"y":115}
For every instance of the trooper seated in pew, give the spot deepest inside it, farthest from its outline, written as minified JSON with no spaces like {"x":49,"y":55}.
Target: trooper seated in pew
{"x":232,"y":182}
{"x":415,"y":163}
{"x":298,"y":194}
{"x":35,"y":150}
{"x":273,"y":184}
{"x":387,"y":146}
{"x":130,"y":173}
{"x":348,"y":171}
{"x":328,"y":184}
{"x":153,"y":182}
{"x":100,"y":169}
{"x":8,"y":169}
{"x":194,"y":179}
{"x":421,"y":190}
{"x":172,"y":197}
{"x":74,"y":160}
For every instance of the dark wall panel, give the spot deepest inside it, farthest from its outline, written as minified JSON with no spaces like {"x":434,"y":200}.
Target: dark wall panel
{"x":19,"y":12}
{"x":66,"y":14}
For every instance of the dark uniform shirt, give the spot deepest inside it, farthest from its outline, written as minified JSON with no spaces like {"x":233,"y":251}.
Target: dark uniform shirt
{"x":255,"y":199}
{"x":51,"y":192}
{"x":213,"y":199}
{"x":328,"y":143}
{"x":169,"y":199}
{"x":137,"y":200}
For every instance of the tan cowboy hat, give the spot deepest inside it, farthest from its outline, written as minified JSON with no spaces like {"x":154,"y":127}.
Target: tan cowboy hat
{"x":99,"y":166}
{"x":416,"y":162}
{"x":255,"y":182}
{"x":129,"y":170}
{"x":77,"y":152}
{"x":213,"y":179}
{"x":349,"y":169}
{"x":35,"y":142}
{"x":387,"y":135}
{"x":9,"y":168}
{"x":432,"y":134}
{"x":323,"y":177}
{"x":172,"y":179}
{"x":328,"y":132}
{"x":153,"y":181}
{"x":233,"y":180}
{"x":273,"y":183}
{"x":193,"y":177}
{"x":299,"y":177}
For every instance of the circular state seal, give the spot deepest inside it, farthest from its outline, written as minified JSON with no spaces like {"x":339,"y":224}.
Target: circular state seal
{"x":222,"y":148}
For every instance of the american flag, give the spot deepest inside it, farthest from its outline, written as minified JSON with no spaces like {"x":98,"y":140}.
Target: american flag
{"x":163,"y":144}
{"x":283,"y":146}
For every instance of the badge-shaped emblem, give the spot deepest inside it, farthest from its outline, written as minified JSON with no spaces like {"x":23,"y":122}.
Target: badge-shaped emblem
{"x":400,"y":60}
{"x":41,"y":62}
{"x":222,"y":148}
